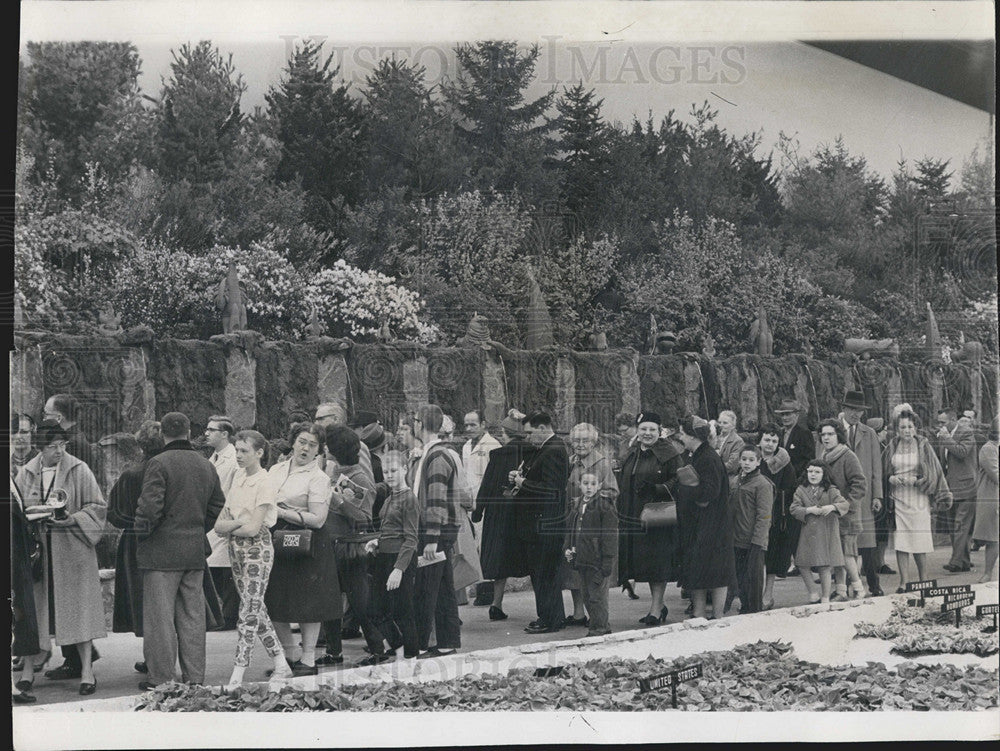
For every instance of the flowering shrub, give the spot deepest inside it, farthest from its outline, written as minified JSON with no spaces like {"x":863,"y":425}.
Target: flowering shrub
{"x":355,"y":303}
{"x":174,"y":293}
{"x":703,"y":280}
{"x":41,"y":288}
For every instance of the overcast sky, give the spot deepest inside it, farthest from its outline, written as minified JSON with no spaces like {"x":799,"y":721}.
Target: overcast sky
{"x":668,"y":56}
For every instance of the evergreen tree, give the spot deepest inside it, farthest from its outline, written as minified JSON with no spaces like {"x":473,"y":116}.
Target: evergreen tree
{"x":198,"y":115}
{"x":583,"y":140}
{"x":507,"y":134}
{"x":79,"y":103}
{"x":321,"y":129}
{"x":932,"y":178}
{"x":412,"y":143}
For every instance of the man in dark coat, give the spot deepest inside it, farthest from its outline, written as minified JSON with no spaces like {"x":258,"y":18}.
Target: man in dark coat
{"x":540,"y":504}
{"x":181,"y":499}
{"x":955,"y":444}
{"x":795,"y":439}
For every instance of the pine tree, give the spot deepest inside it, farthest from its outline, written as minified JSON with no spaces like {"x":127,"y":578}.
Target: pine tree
{"x":583,"y":140}
{"x":507,"y":133}
{"x":198,"y":114}
{"x":932,"y":178}
{"x":412,"y":143}
{"x":321,"y":129}
{"x":79,"y":103}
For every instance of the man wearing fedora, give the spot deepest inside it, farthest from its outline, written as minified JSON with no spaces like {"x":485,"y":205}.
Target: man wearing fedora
{"x":863,"y":441}
{"x":795,"y":439}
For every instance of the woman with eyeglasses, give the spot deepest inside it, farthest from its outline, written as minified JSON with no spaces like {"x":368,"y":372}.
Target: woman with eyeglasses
{"x":68,"y":599}
{"x":303,"y":590}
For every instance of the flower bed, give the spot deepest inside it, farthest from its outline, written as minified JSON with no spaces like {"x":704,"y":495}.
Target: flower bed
{"x":752,"y":677}
{"x":926,"y":630}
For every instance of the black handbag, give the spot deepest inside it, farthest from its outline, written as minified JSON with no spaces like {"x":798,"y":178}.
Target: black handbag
{"x":659,"y":514}
{"x":292,"y":542}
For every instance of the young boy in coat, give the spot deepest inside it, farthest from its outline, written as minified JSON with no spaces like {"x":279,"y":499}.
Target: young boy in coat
{"x":752,"y":497}
{"x":591,"y":548}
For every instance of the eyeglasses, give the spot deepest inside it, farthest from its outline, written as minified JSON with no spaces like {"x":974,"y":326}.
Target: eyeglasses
{"x":58,"y":445}
{"x":306,"y":442}
{"x":214,"y":430}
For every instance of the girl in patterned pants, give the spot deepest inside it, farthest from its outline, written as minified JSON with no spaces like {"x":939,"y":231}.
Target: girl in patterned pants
{"x":249,"y":511}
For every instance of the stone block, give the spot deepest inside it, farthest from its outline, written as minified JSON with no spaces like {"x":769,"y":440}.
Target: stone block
{"x":631,"y":393}
{"x":494,"y":389}
{"x":415,"y":386}
{"x":565,"y":394}
{"x":241,"y":388}
{"x":332,"y":379}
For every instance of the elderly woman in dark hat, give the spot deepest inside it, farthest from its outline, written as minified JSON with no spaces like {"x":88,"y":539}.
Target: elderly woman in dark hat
{"x":502,"y":554}
{"x":648,"y":553}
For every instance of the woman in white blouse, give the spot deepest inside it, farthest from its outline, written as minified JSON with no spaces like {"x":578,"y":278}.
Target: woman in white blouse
{"x":245,"y":520}
{"x":304,"y":590}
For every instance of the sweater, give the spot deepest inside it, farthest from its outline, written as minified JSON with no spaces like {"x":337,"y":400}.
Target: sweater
{"x":400,"y":522}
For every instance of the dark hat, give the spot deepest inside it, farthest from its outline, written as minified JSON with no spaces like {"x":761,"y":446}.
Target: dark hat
{"x":49,"y":431}
{"x":373,"y":436}
{"x":667,"y":336}
{"x":787,"y":405}
{"x":648,"y":417}
{"x":855,"y":400}
{"x":362,"y":418}
{"x":512,"y":425}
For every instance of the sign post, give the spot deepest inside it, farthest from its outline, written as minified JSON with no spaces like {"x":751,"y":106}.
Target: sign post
{"x":919,"y":587}
{"x":671,"y":679}
{"x":993,"y":609}
{"x":956,"y":602}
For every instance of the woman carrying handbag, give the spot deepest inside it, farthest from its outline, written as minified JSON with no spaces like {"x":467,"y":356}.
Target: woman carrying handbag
{"x":647,"y":547}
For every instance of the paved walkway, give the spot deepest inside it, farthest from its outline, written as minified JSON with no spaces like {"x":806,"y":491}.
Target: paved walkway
{"x":116,"y":676}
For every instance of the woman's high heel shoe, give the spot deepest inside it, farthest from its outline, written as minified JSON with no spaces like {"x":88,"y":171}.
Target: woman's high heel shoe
{"x":627,"y":587}
{"x":663,"y":614}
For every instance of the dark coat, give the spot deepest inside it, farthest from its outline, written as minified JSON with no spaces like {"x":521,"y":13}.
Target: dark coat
{"x":706,"y":524}
{"x":647,"y":555}
{"x":594,"y":535}
{"x":540,"y":503}
{"x":801,"y":448}
{"x":501,"y":553}
{"x":24,"y":621}
{"x":77,"y":445}
{"x":180,"y":501}
{"x":785,"y":528}
{"x":127,"y":612}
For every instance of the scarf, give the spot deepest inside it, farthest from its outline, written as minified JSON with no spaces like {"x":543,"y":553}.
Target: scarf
{"x":777,"y":461}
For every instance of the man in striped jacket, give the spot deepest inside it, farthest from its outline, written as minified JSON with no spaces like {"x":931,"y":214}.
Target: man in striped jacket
{"x":434,"y":480}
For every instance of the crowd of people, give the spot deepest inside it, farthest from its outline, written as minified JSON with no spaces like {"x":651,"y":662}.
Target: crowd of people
{"x":347,"y":528}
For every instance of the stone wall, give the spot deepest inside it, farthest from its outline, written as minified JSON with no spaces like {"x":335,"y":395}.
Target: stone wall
{"x":122,"y":381}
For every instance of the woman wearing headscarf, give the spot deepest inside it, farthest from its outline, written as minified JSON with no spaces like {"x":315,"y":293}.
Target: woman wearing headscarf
{"x":706,"y":525}
{"x":648,"y":553}
{"x":501,"y":553}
